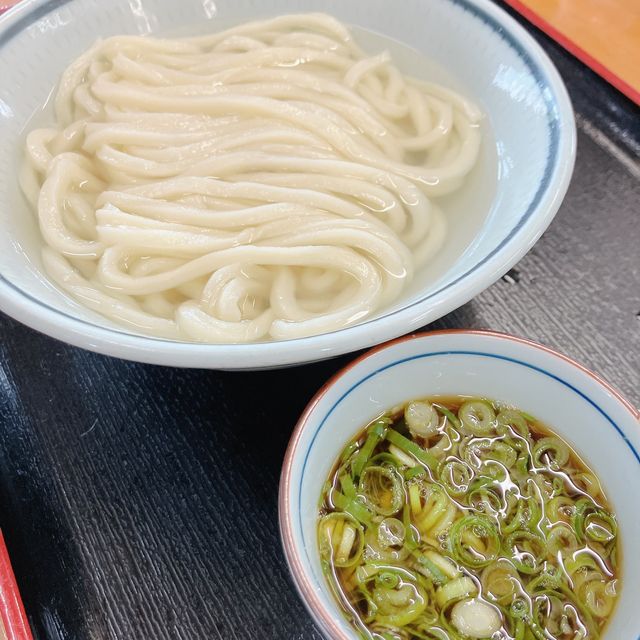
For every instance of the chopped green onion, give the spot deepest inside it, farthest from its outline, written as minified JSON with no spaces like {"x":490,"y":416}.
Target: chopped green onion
{"x":474,"y":541}
{"x":376,"y":434}
{"x":403,"y":458}
{"x":382,"y":489}
{"x":348,"y":488}
{"x":433,"y":510}
{"x":509,"y":420}
{"x":444,"y":564}
{"x":455,"y":590}
{"x":526,"y":551}
{"x":455,"y":476}
{"x":590,"y":521}
{"x":553,"y":450}
{"x":500,"y":581}
{"x":449,"y":415}
{"x":341,"y":539}
{"x":414,"y":472}
{"x":477,"y":417}
{"x":599,"y":597}
{"x":352,"y":506}
{"x":427,"y":565}
{"x":408,"y":446}
{"x":412,"y":537}
{"x":600,"y":526}
{"x":561,"y":539}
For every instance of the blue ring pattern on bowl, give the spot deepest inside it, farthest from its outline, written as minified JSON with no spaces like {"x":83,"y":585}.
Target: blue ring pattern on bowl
{"x":536,"y":72}
{"x":420,"y":356}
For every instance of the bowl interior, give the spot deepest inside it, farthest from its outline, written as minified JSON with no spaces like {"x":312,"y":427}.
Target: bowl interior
{"x":528,"y":114}
{"x":570,"y":401}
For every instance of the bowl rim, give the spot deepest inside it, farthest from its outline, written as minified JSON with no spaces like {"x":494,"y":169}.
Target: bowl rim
{"x":286,"y":513}
{"x":534,"y":220}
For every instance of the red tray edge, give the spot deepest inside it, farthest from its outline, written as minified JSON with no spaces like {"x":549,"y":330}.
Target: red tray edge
{"x":12,"y":613}
{"x":576,"y":50}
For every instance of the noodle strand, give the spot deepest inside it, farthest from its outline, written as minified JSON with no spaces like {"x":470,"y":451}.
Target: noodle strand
{"x":271,"y":181}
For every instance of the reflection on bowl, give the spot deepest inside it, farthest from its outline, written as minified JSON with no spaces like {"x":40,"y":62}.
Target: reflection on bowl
{"x":511,"y":79}
{"x":587,"y":413}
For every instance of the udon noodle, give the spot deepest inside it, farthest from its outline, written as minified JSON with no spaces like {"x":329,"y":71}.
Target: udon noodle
{"x":267,"y":182}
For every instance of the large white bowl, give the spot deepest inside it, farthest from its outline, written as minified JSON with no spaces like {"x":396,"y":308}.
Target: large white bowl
{"x":479,"y":47}
{"x":591,"y":416}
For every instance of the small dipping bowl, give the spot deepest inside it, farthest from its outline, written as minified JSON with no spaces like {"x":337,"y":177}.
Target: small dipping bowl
{"x":594,"y":419}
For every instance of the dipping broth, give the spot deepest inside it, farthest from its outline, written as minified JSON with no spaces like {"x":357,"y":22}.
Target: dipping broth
{"x":453,"y":518}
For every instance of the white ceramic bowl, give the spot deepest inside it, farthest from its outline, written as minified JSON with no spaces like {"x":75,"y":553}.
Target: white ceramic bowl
{"x":484,"y":52}
{"x":601,"y":426}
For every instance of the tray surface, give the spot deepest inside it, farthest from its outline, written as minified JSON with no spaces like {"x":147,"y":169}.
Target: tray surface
{"x":141,"y":501}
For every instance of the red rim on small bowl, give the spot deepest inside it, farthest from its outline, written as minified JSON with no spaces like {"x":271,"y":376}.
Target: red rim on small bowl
{"x":301,"y":581}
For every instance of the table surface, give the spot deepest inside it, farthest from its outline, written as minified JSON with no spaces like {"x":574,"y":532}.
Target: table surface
{"x":140,"y":502}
